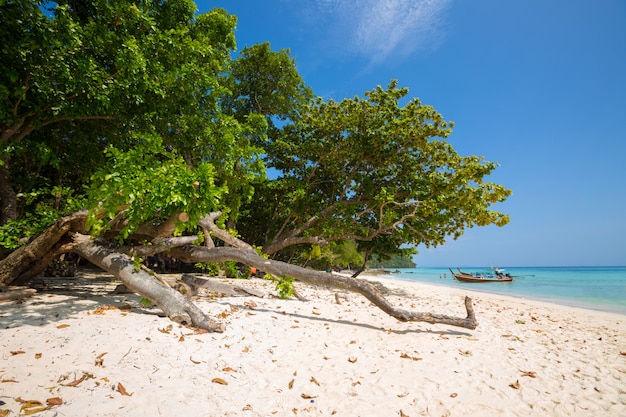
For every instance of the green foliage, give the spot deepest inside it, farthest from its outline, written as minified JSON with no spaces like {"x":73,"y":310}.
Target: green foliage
{"x":231,"y":269}
{"x":373,"y":171}
{"x":396,"y":261}
{"x":209,"y":268}
{"x":42,"y":207}
{"x":150,"y":183}
{"x":284,"y":285}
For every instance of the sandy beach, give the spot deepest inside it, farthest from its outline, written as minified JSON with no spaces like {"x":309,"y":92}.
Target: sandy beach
{"x":77,"y":349}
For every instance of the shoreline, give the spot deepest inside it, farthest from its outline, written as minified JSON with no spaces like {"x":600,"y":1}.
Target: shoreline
{"x":287,"y":357}
{"x":606,"y":306}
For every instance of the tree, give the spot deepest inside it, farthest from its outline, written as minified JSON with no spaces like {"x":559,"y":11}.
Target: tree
{"x":185,"y":131}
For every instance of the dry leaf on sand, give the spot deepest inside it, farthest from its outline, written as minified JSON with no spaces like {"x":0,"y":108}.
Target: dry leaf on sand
{"x":122,"y":390}
{"x":219,"y":381}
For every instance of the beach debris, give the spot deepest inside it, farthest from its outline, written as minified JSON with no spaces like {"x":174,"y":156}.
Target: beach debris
{"x":515,"y":385}
{"x":167,"y":329}
{"x":32,"y":406}
{"x":17,"y":352}
{"x":520,"y":321}
{"x":352,"y":360}
{"x":37,"y":355}
{"x":290,"y":384}
{"x":623,"y":353}
{"x":313,"y":380}
{"x":465,"y":352}
{"x":308,"y":396}
{"x":194,"y":362}
{"x":4,"y":413}
{"x":100,"y":360}
{"x":63,"y":326}
{"x":54,"y":401}
{"x":122,"y":390}
{"x":75,"y":382}
{"x":454,"y":395}
{"x":402,"y":414}
{"x":531,"y":374}
{"x":219,"y":381}
{"x":406,"y":356}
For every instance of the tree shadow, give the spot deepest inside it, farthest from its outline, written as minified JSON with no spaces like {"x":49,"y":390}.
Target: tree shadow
{"x":59,"y":299}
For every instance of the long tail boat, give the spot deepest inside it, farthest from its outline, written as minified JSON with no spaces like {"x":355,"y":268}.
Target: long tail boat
{"x":467,"y":277}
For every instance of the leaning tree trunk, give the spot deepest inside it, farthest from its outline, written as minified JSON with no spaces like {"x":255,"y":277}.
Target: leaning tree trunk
{"x":175,"y":305}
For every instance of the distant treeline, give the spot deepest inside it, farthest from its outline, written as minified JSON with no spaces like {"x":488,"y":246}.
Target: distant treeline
{"x":393,"y":262}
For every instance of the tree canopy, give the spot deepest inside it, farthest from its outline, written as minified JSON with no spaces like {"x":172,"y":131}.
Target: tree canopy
{"x":132,"y":122}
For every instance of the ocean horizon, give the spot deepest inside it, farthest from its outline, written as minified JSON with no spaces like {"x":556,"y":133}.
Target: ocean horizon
{"x":601,"y":288}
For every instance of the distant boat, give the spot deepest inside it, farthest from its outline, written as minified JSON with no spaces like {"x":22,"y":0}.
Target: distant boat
{"x":467,"y":277}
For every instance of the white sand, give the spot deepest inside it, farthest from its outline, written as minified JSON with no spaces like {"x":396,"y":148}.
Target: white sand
{"x":292,"y":358}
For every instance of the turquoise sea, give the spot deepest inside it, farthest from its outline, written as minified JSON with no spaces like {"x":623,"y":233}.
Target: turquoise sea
{"x":596,"y":288}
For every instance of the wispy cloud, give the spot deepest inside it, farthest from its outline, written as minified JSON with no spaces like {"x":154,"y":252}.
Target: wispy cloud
{"x":378,"y":29}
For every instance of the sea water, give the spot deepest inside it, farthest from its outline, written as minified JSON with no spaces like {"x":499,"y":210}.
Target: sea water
{"x":597,"y":288}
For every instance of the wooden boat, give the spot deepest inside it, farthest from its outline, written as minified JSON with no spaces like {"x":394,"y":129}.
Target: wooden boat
{"x":467,"y":277}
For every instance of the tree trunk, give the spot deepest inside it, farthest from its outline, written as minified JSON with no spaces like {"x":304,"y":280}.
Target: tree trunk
{"x":365,"y":288}
{"x":8,"y":198}
{"x":26,"y":262}
{"x":174,"y":304}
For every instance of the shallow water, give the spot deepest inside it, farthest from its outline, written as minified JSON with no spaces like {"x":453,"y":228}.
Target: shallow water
{"x":597,"y":288}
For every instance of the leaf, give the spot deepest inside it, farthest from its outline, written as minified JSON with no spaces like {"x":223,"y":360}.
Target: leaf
{"x":405,"y":356}
{"x":402,"y":414}
{"x":100,"y":360}
{"x":181,"y":338}
{"x":515,"y":385}
{"x":4,"y":413}
{"x":454,"y":395}
{"x":8,"y":380}
{"x":63,"y":326}
{"x":54,"y":401}
{"x":194,"y":362}
{"x":219,"y":381}
{"x":75,"y":382}
{"x":37,"y":355}
{"x":122,"y":390}
{"x":307,"y":396}
{"x":531,"y":374}
{"x":352,"y":360}
{"x":313,"y":380}
{"x":17,"y":352}
{"x":290,"y":385}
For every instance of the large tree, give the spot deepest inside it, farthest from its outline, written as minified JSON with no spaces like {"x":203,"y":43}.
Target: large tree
{"x":173,"y":137}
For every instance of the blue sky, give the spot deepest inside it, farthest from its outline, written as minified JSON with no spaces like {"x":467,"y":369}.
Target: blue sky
{"x":537,"y":86}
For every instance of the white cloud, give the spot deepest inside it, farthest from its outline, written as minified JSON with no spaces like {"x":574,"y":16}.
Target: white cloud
{"x":378,"y":29}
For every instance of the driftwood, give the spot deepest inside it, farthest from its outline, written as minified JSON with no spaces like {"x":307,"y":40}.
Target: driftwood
{"x":16,"y":293}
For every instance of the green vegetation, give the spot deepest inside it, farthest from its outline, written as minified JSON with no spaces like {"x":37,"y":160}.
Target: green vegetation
{"x":137,"y":112}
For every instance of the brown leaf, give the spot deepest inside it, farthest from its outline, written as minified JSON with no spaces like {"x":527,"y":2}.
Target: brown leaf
{"x":17,"y":352}
{"x":313,"y":380}
{"x":167,"y":329}
{"x":37,"y":355}
{"x":194,"y":362}
{"x":352,"y":360}
{"x":515,"y":385}
{"x":623,"y":353}
{"x":4,"y":413}
{"x":62,"y":326}
{"x":122,"y":390}
{"x":8,"y":380}
{"x":75,"y":382}
{"x":307,"y":396}
{"x":531,"y":374}
{"x":454,"y":395}
{"x":405,"y":356}
{"x":402,"y":414}
{"x":290,"y":385}
{"x":100,"y":360}
{"x":181,"y":338}
{"x":219,"y":381}
{"x":228,"y":369}
{"x":54,"y":401}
